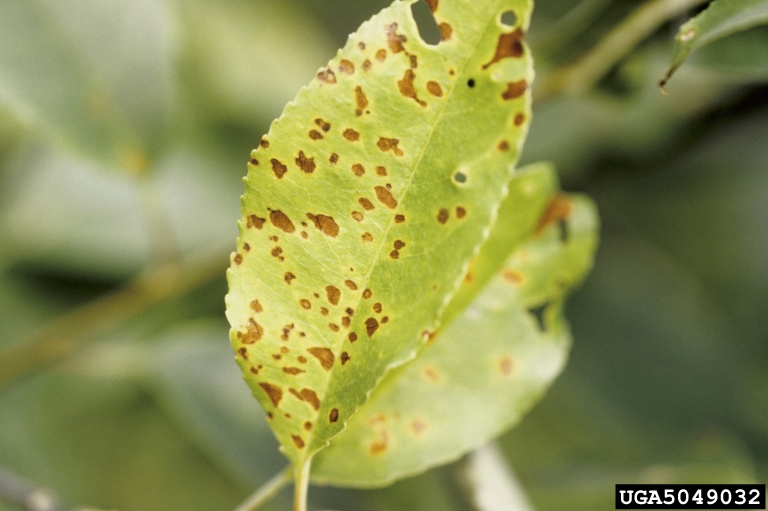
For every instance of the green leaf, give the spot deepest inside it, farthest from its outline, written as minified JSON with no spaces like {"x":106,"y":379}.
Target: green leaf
{"x":364,"y":205}
{"x":484,"y":370}
{"x":97,"y":76}
{"x":720,"y":19}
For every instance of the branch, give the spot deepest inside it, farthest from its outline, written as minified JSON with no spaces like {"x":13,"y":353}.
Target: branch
{"x":582,"y":75}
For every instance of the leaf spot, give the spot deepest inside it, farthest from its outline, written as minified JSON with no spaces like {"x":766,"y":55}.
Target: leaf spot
{"x":358,"y":169}
{"x":310,"y":397}
{"x":381,"y":55}
{"x":381,"y":171}
{"x":278,"y":168}
{"x":351,"y":135}
{"x":253,"y":334}
{"x":255,"y":221}
{"x":509,"y":46}
{"x":326,"y":76}
{"x":288,"y":277}
{"x":559,"y":208}
{"x":346,"y":66}
{"x":407,"y":88}
{"x":305,"y":304}
{"x":367,"y":236}
{"x":366,"y":204}
{"x":322,"y":124}
{"x":446,"y":31}
{"x":506,"y":366}
{"x":357,"y":216}
{"x":315,"y":135}
{"x":264,"y":143}
{"x":323,"y":355}
{"x":371,"y":325}
{"x":334,"y":158}
{"x":333,"y":326}
{"x":281,"y":221}
{"x":297,"y":441}
{"x":325,"y":223}
{"x":360,"y":101}
{"x":395,"y":40}
{"x":351,"y":285}
{"x":366,"y":65}
{"x":256,"y":306}
{"x":519,"y":119}
{"x":503,"y":146}
{"x":306,"y":164}
{"x":442,"y":216}
{"x":515,"y":89}
{"x":345,"y":358}
{"x":418,"y":427}
{"x":292,"y":370}
{"x":333,"y":416}
{"x":460,"y":212}
{"x":385,"y":197}
{"x":333,"y":293}
{"x":399,"y":219}
{"x":274,"y":393}
{"x":308,"y":426}
{"x":367,"y":294}
{"x":434,"y":89}
{"x":386,"y":144}
{"x":377,"y":308}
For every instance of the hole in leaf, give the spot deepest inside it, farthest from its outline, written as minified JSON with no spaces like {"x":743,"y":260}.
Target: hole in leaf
{"x":471,"y":82}
{"x":428,"y":29}
{"x":508,"y":18}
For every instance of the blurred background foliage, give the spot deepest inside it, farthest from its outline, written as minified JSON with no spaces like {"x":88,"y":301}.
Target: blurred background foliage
{"x":125,"y":128}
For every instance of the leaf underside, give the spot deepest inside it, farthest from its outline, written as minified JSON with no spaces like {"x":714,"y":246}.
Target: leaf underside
{"x":486,"y":368}
{"x":364,"y":204}
{"x":720,"y":19}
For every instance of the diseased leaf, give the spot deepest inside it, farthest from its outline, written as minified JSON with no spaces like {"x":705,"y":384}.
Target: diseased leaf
{"x":364,"y":204}
{"x":720,"y":19}
{"x":484,"y":370}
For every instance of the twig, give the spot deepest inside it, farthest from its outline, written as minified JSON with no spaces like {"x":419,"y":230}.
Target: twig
{"x":65,"y":335}
{"x":617,"y":44}
{"x":29,"y":496}
{"x":267,"y":491}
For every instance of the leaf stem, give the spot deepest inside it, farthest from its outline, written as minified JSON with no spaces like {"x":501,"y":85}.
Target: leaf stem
{"x":582,"y":75}
{"x":301,"y":485}
{"x":267,"y":491}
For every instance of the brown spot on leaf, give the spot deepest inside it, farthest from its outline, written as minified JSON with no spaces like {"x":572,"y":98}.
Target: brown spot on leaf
{"x":381,"y":171}
{"x":276,"y":252}
{"x":361,"y":45}
{"x":367,"y":236}
{"x":334,"y":158}
{"x":559,"y":208}
{"x":252,"y":334}
{"x":418,"y":427}
{"x":292,"y":370}
{"x":394,"y":254}
{"x":366,"y":204}
{"x":432,"y":5}
{"x":281,"y":221}
{"x":274,"y":392}
{"x":270,"y":416}
{"x":407,"y":88}
{"x":519,"y":119}
{"x":243,"y":352}
{"x":323,"y":311}
{"x":371,"y":325}
{"x":399,"y":244}
{"x":385,"y":144}
{"x":360,"y":101}
{"x":304,"y":234}
{"x":351,"y":285}
{"x":288,"y":277}
{"x":346,"y":66}
{"x":352,"y":337}
{"x":430,"y":374}
{"x":358,"y":169}
{"x":505,"y":366}
{"x":256,"y":306}
{"x":515,"y":89}
{"x":246,"y":247}
{"x":278,"y":168}
{"x":345,"y":321}
{"x":315,"y":135}
{"x":351,"y":135}
{"x":255,"y":221}
{"x":323,"y":355}
{"x":333,"y":416}
{"x":460,"y":212}
{"x":327,"y":76}
{"x":310,"y":397}
{"x":357,"y":216}
{"x":308,"y":426}
{"x":345,"y":357}
{"x":333,"y":293}
{"x":297,"y":441}
{"x":333,"y":326}
{"x":323,"y":125}
{"x":513,"y":276}
{"x":367,"y":294}
{"x":442,"y":215}
{"x":301,"y":359}
{"x":399,"y":219}
{"x":510,"y":45}
{"x":395,"y":40}
{"x":385,"y":197}
{"x":350,"y":311}
{"x":446,"y":31}
{"x":377,"y":308}
{"x":366,"y":65}
{"x":379,"y":446}
{"x":503,"y":145}
{"x":414,"y":61}
{"x":381,"y":55}
{"x":435,"y":89}
{"x":264,"y":143}
{"x":384,"y":319}
{"x":325,"y":223}
{"x":238,"y":259}
{"x":306,"y":164}
{"x":305,"y":304}
{"x":254,"y":162}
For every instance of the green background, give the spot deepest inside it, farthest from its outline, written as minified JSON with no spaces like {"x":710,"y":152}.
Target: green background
{"x":125,"y":128}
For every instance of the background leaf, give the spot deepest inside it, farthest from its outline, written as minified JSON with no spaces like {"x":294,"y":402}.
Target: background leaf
{"x":364,"y":204}
{"x":494,"y":360}
{"x":720,"y":19}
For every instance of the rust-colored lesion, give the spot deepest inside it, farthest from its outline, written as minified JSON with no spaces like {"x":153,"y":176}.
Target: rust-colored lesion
{"x":513,"y":276}
{"x":558,"y":209}
{"x":346,"y":67}
{"x":305,"y":163}
{"x":278,"y":168}
{"x":361,"y":101}
{"x":432,"y":5}
{"x":345,"y":358}
{"x":519,"y":119}
{"x":253,"y":333}
{"x":371,"y":325}
{"x":385,"y":197}
{"x":333,"y":415}
{"x":297,"y":441}
{"x":509,"y":46}
{"x":274,"y":393}
{"x":394,"y":40}
{"x":358,"y":169}
{"x":443,"y":215}
{"x":255,"y":221}
{"x":281,"y":221}
{"x":446,"y":31}
{"x":389,"y":144}
{"x":323,"y":355}
{"x":333,"y":294}
{"x":515,"y":90}
{"x":326,"y":76}
{"x":256,"y":306}
{"x":324,"y":223}
{"x":506,"y":365}
{"x":351,"y":135}
{"x":293,"y":371}
{"x":365,"y":203}
{"x":434,"y":89}
{"x":310,"y":396}
{"x":407,"y":88}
